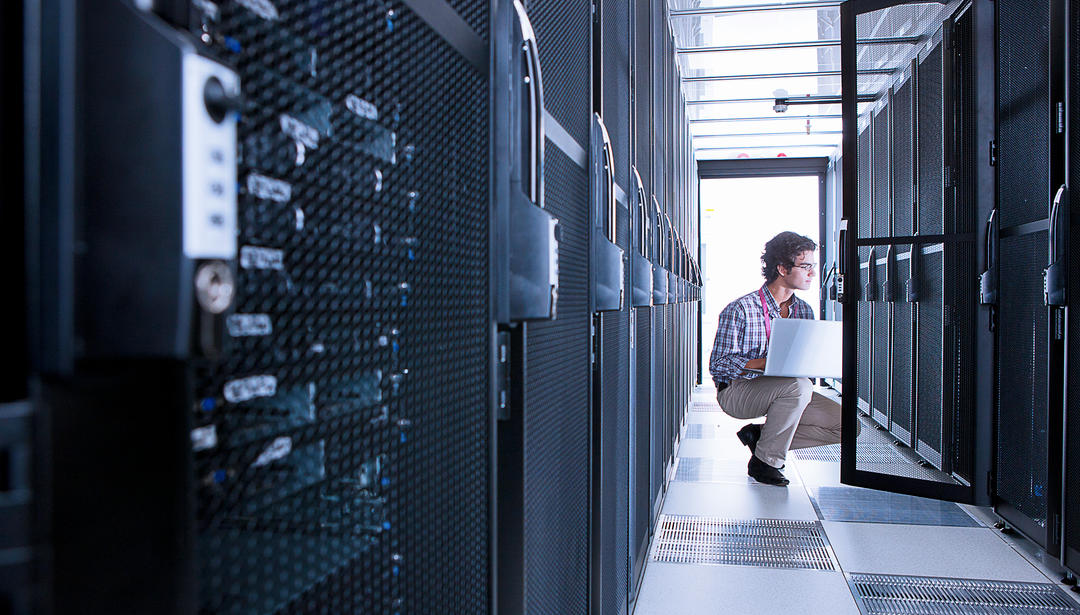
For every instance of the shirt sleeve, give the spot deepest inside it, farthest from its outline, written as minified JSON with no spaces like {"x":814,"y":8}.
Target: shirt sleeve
{"x":728,"y":355}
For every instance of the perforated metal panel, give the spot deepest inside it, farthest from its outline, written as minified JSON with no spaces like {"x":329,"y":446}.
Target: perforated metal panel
{"x":641,"y":519}
{"x":355,"y":395}
{"x":864,"y":343}
{"x":865,"y":211}
{"x":1072,"y":474}
{"x":930,"y":339}
{"x":643,"y":93}
{"x":1021,"y":377}
{"x":1023,"y":111}
{"x":616,"y":78}
{"x":888,"y":595}
{"x":880,"y":335}
{"x":902,"y":160}
{"x":768,"y":543}
{"x":563,"y":29}
{"x":872,"y":506}
{"x":931,"y":143}
{"x":902,"y":375}
{"x":880,"y":173}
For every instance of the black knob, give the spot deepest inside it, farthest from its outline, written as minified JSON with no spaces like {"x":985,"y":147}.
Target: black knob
{"x":218,"y":101}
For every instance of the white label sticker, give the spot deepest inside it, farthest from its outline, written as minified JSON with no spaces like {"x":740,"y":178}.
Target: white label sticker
{"x":244,"y":389}
{"x":262,"y":8}
{"x":255,"y":257}
{"x":203,"y":438}
{"x":361,"y":107}
{"x":241,"y":325}
{"x":300,"y":131}
{"x":269,"y":188}
{"x":279,"y":448}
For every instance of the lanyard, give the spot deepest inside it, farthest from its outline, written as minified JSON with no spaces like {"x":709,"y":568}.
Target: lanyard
{"x":765,"y":311}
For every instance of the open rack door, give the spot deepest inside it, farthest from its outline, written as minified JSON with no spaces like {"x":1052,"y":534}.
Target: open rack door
{"x":908,"y":265}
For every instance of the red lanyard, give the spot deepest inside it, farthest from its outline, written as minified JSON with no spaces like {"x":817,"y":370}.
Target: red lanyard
{"x":765,"y":311}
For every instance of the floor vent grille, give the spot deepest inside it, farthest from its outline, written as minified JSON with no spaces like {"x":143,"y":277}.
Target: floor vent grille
{"x":768,"y":543}
{"x":888,"y":595}
{"x":701,"y":431}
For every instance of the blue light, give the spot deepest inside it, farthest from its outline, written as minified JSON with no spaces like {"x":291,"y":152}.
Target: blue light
{"x":233,"y":45}
{"x":385,"y":482}
{"x":207,"y":404}
{"x":219,"y":476}
{"x":402,"y":437}
{"x":396,"y":347}
{"x":396,"y":571}
{"x":385,"y":525}
{"x":404,"y":300}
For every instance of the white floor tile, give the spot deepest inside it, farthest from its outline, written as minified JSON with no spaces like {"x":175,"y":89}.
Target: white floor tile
{"x":927,"y":550}
{"x":719,"y":448}
{"x":684,"y":589}
{"x":739,"y":501}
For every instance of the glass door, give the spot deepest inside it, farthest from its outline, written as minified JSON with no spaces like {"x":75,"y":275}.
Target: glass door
{"x":908,"y":266}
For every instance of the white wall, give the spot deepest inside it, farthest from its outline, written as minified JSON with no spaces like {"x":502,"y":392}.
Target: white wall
{"x":737,"y":217}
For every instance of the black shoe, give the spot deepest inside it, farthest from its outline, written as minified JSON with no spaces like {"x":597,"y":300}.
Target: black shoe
{"x":765,"y":473}
{"x":749,"y":435}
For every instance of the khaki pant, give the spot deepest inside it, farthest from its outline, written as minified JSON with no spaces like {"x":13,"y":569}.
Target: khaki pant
{"x":795,"y":416}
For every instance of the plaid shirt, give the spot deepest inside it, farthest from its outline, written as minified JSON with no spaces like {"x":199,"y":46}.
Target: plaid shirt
{"x":740,"y":336}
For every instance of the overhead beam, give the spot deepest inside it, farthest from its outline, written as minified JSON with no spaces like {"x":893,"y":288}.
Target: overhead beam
{"x":766,"y":118}
{"x":733,"y":147}
{"x":892,"y":40}
{"x":771,"y":134}
{"x":816,"y":73}
{"x":752,"y":8}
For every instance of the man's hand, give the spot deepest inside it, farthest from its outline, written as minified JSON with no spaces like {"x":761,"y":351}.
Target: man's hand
{"x":755,"y":364}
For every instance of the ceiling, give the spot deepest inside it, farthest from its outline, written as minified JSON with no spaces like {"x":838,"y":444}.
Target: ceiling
{"x":735,"y":54}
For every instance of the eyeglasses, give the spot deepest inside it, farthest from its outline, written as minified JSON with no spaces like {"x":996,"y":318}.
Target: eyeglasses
{"x":807,"y":267}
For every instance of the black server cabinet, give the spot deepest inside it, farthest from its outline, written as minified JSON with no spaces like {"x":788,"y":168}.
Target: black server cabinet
{"x":277,"y":382}
{"x":1030,"y":327}
{"x":642,"y":277}
{"x":544,"y":550}
{"x":611,"y":240}
{"x":1071,"y":538}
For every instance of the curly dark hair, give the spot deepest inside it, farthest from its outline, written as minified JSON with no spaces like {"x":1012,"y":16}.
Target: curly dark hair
{"x":782,"y":250}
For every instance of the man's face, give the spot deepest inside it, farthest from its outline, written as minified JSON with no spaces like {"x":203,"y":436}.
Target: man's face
{"x":797,"y":277}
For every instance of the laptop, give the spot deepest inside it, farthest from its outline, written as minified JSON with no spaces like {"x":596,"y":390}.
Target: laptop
{"x":803,"y":348}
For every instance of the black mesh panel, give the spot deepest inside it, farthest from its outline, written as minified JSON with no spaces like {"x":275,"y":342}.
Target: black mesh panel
{"x":562,"y":34}
{"x":557,"y":413}
{"x":329,"y":492}
{"x":863,"y":345}
{"x":931,"y":142}
{"x":1072,"y":476}
{"x":617,"y":85}
{"x":1021,"y":378}
{"x":1023,"y":112}
{"x":880,"y":340}
{"x":639,"y":530}
{"x":902,"y":162}
{"x":901,"y":357}
{"x":642,"y":93}
{"x":930,"y":350}
{"x":879,"y":174}
{"x":865,"y":216}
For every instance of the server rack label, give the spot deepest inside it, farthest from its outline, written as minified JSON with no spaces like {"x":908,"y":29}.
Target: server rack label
{"x":361,"y":107}
{"x":242,"y":325}
{"x":244,"y":389}
{"x":280,"y":447}
{"x":299,"y":131}
{"x":203,"y":438}
{"x":269,"y":188}
{"x":255,"y":257}
{"x":209,"y":163}
{"x":262,"y":8}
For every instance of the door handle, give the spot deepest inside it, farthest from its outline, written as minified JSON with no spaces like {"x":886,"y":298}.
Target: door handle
{"x":534,"y":81}
{"x":1054,"y":274}
{"x":841,"y":252}
{"x":988,"y":281}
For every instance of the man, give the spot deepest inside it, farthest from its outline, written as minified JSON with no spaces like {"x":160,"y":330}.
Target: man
{"x":795,"y":416}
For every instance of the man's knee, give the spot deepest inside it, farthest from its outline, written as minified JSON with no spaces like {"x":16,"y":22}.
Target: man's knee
{"x":800,"y":388}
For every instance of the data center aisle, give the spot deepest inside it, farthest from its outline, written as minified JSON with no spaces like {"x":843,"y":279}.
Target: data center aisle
{"x":726,"y":544}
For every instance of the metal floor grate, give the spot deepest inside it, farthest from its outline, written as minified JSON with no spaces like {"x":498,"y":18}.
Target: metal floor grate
{"x":828,"y":452}
{"x":888,"y":595}
{"x":702,"y":431}
{"x":708,"y":470}
{"x":705,"y":406}
{"x":767,"y":543}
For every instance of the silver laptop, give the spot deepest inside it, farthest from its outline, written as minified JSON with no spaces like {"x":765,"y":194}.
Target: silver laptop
{"x":804,"y":348}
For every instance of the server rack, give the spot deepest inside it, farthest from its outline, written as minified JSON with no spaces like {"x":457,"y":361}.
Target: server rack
{"x":1071,"y":536}
{"x":239,"y":371}
{"x":1029,"y":318}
